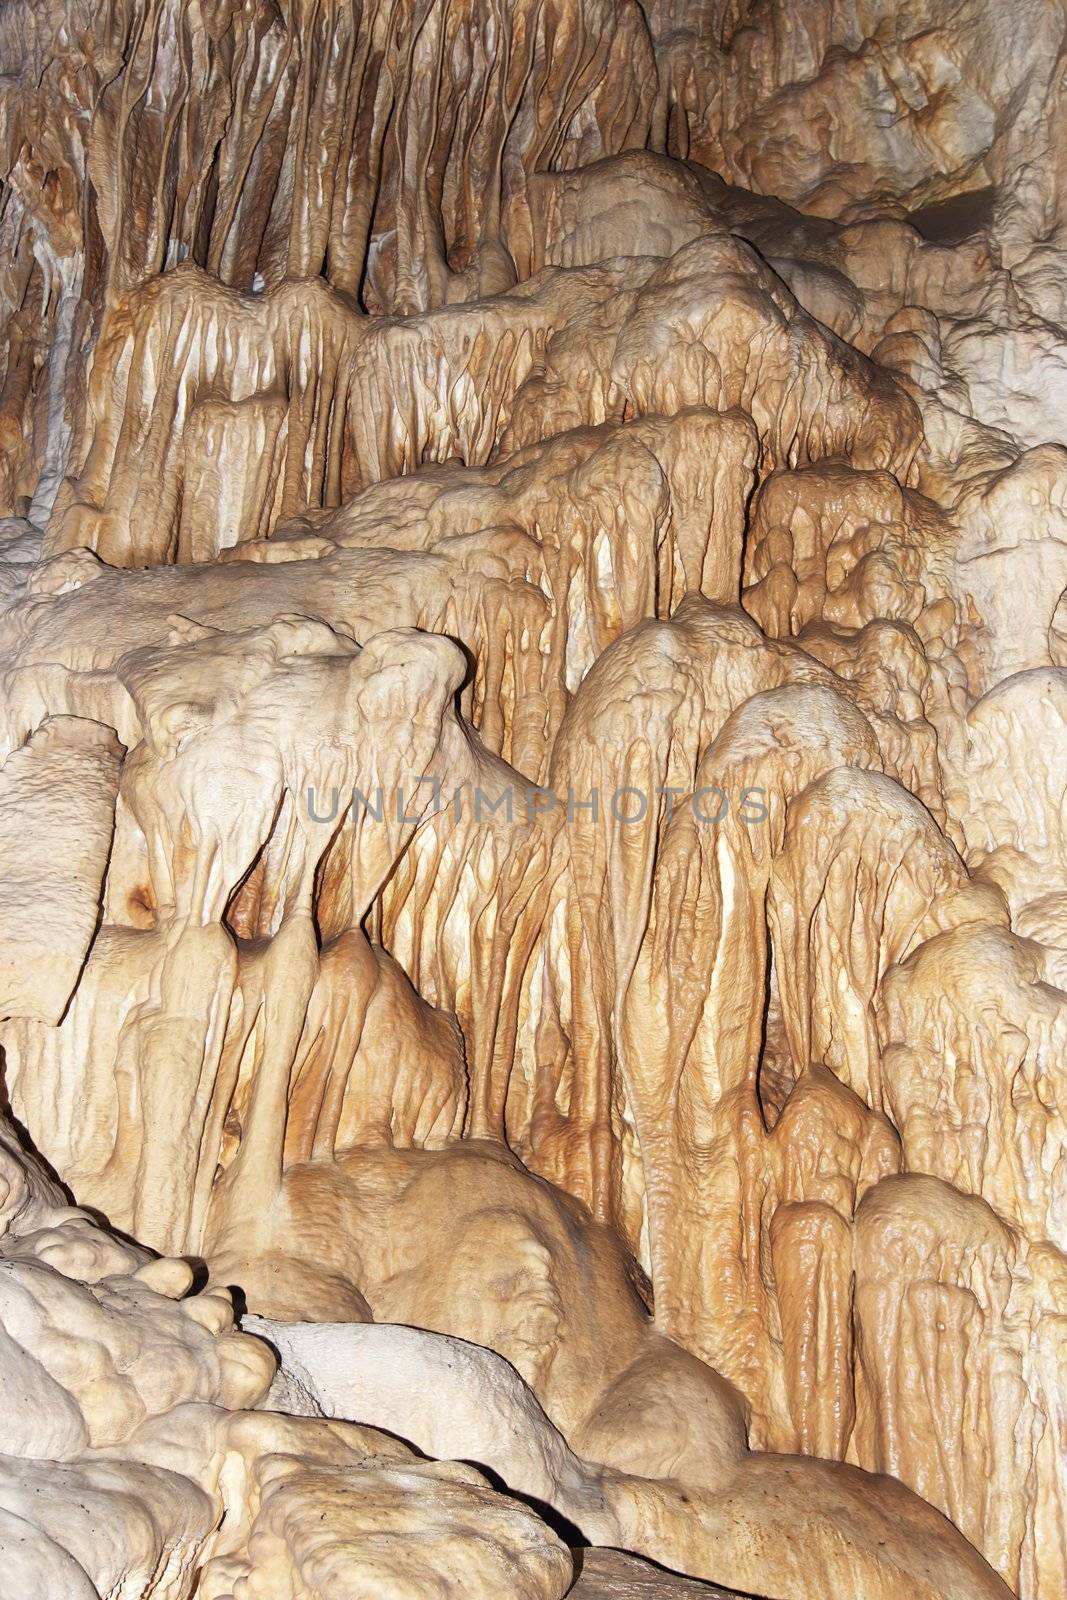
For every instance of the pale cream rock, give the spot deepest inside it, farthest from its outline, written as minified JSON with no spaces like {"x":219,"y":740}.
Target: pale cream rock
{"x":57,"y":803}
{"x":630,"y":436}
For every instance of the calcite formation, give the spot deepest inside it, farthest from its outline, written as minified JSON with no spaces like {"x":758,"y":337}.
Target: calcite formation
{"x":533,"y":799}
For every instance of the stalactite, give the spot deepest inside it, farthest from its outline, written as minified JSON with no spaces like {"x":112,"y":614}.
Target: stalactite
{"x":533,"y":910}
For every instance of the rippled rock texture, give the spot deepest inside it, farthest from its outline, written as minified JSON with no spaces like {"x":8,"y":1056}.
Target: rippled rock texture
{"x":533,"y":764}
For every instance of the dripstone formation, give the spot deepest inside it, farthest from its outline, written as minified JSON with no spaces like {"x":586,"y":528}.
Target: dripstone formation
{"x":533,"y":799}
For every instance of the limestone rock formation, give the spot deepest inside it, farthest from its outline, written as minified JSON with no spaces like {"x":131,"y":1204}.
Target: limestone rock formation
{"x":533,"y":766}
